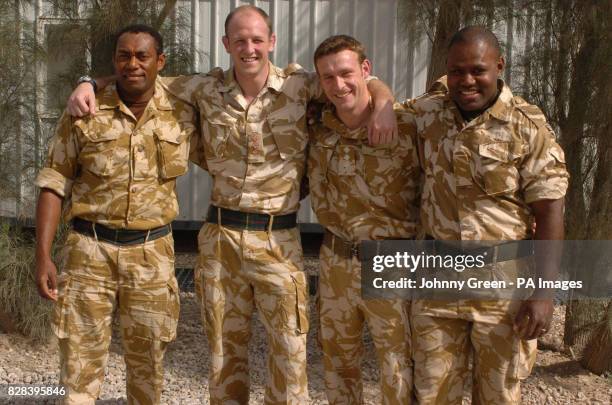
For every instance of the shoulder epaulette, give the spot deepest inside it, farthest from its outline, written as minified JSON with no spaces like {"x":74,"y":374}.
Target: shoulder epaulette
{"x":532,"y":112}
{"x":431,"y":95}
{"x":292,"y":68}
{"x":217,"y":73}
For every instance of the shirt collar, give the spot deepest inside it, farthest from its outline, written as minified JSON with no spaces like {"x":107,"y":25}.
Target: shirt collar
{"x":331,"y":121}
{"x":275,"y":80}
{"x":109,"y":99}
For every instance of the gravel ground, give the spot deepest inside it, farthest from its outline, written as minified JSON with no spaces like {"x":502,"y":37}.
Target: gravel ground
{"x":556,"y":378}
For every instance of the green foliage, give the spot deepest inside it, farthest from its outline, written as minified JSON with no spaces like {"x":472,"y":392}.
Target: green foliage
{"x":103,"y":18}
{"x":18,"y":293}
{"x":17,"y":90}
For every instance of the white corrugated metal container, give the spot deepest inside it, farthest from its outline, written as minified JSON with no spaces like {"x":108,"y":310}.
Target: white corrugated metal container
{"x":300,"y":25}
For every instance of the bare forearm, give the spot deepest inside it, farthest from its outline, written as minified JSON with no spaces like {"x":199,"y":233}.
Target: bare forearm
{"x":48,"y":213}
{"x":382,"y":125}
{"x":380,"y":92}
{"x":550,"y":231}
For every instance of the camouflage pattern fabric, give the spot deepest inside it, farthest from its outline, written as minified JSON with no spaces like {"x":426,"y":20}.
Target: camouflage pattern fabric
{"x":120,"y":172}
{"x":441,"y":353}
{"x":255,"y":153}
{"x":256,"y":156}
{"x":342,"y":314}
{"x":360,"y":192}
{"x":116,"y":171}
{"x":97,"y":279}
{"x":237,"y":272}
{"x":480,"y":177}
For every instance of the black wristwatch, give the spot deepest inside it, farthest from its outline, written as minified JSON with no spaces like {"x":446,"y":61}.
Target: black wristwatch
{"x":90,"y":80}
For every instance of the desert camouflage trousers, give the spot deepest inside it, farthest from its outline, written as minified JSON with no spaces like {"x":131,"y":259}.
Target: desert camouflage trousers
{"x":97,"y":279}
{"x":237,"y":272}
{"x":444,"y":337}
{"x":342,"y":313}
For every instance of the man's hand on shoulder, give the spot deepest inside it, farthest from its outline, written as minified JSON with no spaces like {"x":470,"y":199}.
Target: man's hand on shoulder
{"x":382,"y":126}
{"x":82,"y":101}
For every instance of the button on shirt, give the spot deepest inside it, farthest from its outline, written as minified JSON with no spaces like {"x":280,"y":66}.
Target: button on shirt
{"x":362,"y":192}
{"x":117,"y":171}
{"x":255,"y":153}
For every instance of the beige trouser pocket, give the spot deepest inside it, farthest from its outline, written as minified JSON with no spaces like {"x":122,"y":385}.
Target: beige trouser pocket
{"x":524,"y":357}
{"x":299,"y":305}
{"x":151,"y":312}
{"x":61,"y":309}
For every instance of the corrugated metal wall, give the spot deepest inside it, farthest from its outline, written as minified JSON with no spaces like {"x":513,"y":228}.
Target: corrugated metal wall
{"x":300,"y":25}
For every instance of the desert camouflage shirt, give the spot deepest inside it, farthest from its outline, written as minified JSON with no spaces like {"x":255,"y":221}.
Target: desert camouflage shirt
{"x":255,"y":153}
{"x":481,"y":175}
{"x":362,"y":192}
{"x":116,"y":171}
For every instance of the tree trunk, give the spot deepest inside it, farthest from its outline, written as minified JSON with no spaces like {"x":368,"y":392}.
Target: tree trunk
{"x":19,"y":117}
{"x":168,"y":8}
{"x":447,"y":23}
{"x":527,"y":92}
{"x":597,"y":356}
{"x":588,"y":322}
{"x":572,"y":134}
{"x":509,"y":42}
{"x":117,"y":14}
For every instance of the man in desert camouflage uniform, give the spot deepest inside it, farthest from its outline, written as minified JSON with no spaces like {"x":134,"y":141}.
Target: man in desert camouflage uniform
{"x":254,"y":132}
{"x":359,"y":192}
{"x":254,"y":135}
{"x":491,"y":164}
{"x":116,"y":172}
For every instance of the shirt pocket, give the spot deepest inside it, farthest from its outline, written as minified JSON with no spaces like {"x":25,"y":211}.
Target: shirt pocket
{"x":288,"y":127}
{"x":495,"y":169}
{"x":172,"y":151}
{"x":218,"y":129}
{"x":345,"y":161}
{"x":101,"y":154}
{"x":382,"y":169}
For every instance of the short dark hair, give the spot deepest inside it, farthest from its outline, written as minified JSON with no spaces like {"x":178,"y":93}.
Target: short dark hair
{"x":248,"y":7}
{"x":475,"y":33}
{"x":339,"y":43}
{"x":141,"y":28}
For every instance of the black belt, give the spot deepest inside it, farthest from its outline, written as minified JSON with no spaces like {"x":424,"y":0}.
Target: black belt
{"x":250,"y":221}
{"x":499,"y":253}
{"x":339,"y":246}
{"x":118,"y":236}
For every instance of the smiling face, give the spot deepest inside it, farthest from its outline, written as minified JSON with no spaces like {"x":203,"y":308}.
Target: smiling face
{"x":472,"y":72}
{"x":342,"y":78}
{"x":136,"y":64}
{"x":248,"y":41}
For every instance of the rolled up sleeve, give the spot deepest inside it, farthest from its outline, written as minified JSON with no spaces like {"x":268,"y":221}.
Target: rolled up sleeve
{"x":60,"y":170}
{"x":543,"y":173}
